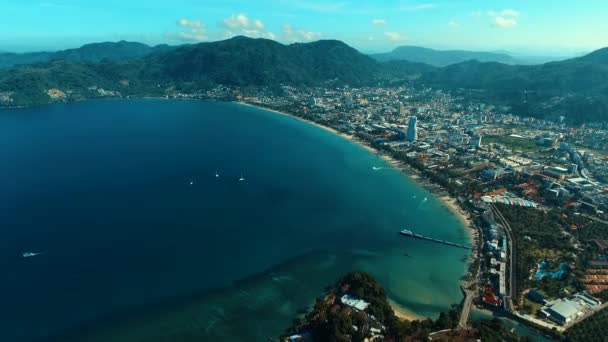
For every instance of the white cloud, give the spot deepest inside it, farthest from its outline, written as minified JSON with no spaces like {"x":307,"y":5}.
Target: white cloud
{"x":297,"y":35}
{"x":453,"y":24}
{"x":316,"y":6}
{"x":193,"y":24}
{"x":241,"y":24}
{"x":504,"y":13}
{"x":379,"y":22}
{"x":394,"y":36}
{"x":505,"y":19}
{"x":191,"y":31}
{"x":505,"y":22}
{"x":510,"y":13}
{"x":420,"y":7}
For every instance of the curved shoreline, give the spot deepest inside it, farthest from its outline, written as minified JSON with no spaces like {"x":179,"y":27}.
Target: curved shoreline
{"x":450,"y":203}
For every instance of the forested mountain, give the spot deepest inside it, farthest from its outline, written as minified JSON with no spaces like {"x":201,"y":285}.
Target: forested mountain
{"x":245,"y":61}
{"x":441,"y":58}
{"x":96,"y":52}
{"x":110,"y":51}
{"x":9,"y":59}
{"x":576,"y":88}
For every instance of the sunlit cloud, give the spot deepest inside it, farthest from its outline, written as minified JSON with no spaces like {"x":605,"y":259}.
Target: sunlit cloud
{"x":190,"y":31}
{"x":505,"y":22}
{"x":291,"y":34}
{"x":453,"y":24}
{"x":419,"y":7}
{"x":241,"y":25}
{"x":393,"y":36}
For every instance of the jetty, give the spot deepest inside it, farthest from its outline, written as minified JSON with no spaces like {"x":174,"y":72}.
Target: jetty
{"x":411,"y":234}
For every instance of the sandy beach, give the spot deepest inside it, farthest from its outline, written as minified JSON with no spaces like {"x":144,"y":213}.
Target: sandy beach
{"x":450,"y":202}
{"x":405,"y":314}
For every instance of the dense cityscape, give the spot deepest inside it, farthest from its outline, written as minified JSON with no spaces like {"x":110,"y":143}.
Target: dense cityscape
{"x":534,"y":189}
{"x":304,"y":170}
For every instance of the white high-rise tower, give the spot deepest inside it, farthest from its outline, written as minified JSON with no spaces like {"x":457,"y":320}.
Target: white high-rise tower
{"x":412,"y":129}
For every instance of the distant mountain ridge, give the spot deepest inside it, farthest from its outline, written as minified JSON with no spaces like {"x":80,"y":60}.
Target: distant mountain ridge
{"x":576,"y":88}
{"x":95,"y":52}
{"x":441,"y":58}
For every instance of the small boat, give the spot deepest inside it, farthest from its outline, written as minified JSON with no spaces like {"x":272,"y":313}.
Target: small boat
{"x":217,"y":175}
{"x":242,"y":179}
{"x":407,"y":232}
{"x":29,"y":254}
{"x":376,"y":168}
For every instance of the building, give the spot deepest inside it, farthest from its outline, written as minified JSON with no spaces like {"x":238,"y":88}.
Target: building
{"x":353,"y":302}
{"x":412,"y":129}
{"x":563,"y":311}
{"x":476,"y":141}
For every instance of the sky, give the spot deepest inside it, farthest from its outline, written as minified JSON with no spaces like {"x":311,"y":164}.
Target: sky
{"x":532,"y":27}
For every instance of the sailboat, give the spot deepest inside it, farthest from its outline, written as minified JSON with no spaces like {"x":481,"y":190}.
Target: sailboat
{"x":242,"y":179}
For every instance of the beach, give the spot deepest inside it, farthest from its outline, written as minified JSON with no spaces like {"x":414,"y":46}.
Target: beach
{"x":449,"y":202}
{"x":405,"y":314}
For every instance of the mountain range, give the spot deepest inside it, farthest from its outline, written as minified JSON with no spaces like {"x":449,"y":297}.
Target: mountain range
{"x":576,"y":88}
{"x":441,"y":58}
{"x":95,"y":52}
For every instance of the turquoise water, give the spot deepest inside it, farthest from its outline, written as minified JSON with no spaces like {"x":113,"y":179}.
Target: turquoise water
{"x":140,"y":240}
{"x":559,"y":274}
{"x":520,"y":328}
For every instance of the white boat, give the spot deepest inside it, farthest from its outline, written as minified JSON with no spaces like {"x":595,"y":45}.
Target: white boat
{"x":217,"y":175}
{"x":376,"y":168}
{"x":29,"y":254}
{"x":242,"y":179}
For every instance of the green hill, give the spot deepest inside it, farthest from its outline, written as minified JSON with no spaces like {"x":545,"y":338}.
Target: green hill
{"x":441,"y":58}
{"x":96,"y":52}
{"x":244,"y":61}
{"x":576,"y":88}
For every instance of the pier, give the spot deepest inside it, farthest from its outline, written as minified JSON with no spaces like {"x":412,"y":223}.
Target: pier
{"x":409,"y":233}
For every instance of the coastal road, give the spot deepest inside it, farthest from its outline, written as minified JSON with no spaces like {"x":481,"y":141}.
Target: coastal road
{"x":466,"y":306}
{"x":512,"y":255}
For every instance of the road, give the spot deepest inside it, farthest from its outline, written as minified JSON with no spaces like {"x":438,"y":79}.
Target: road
{"x":466,"y":306}
{"x":512,"y":257}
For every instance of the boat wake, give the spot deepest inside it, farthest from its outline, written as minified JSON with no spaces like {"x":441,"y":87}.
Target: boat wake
{"x":29,"y":255}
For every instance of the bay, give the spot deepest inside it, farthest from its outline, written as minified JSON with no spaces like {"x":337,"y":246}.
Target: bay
{"x":141,"y":240}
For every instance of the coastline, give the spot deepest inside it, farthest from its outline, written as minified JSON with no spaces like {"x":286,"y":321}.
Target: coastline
{"x":403,"y":313}
{"x":449,"y":202}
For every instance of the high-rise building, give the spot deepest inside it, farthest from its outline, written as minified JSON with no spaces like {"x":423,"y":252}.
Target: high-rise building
{"x":412,"y":129}
{"x":476,"y":141}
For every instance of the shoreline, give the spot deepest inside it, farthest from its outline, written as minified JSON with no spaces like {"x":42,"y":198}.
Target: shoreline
{"x":403,"y":313}
{"x":448,"y":201}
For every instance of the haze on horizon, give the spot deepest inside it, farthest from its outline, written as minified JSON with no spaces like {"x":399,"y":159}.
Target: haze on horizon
{"x":558,"y":27}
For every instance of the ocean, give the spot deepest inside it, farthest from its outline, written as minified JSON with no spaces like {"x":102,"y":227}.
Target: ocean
{"x":146,"y":233}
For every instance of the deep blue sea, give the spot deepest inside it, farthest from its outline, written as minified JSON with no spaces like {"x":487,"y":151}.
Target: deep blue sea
{"x":141,"y":241}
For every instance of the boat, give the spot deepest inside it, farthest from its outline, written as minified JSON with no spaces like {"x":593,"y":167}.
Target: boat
{"x":217,"y":175}
{"x":376,"y":168}
{"x":242,"y":179}
{"x":29,"y":254}
{"x":407,"y":232}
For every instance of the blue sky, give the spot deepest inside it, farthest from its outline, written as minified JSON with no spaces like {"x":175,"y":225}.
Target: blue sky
{"x":525,"y":26}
